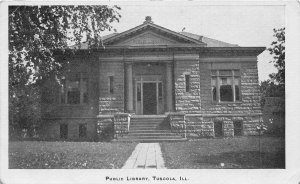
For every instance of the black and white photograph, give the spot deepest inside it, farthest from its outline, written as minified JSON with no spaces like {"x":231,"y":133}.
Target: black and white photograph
{"x":150,"y":92}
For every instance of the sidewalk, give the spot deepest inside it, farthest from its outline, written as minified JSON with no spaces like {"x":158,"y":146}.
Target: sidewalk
{"x":145,"y":156}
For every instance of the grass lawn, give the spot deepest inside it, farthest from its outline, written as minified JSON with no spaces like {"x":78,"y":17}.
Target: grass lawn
{"x":237,"y":152}
{"x":68,"y":155}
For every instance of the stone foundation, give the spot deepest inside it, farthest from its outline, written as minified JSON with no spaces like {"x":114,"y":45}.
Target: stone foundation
{"x":51,"y":129}
{"x":200,"y":126}
{"x":177,"y":123}
{"x":121,"y":124}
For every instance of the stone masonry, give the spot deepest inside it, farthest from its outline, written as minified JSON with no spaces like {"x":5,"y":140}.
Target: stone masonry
{"x":111,"y":103}
{"x":187,"y":102}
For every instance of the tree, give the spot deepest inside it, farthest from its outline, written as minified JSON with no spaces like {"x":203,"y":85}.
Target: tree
{"x":35,"y":34}
{"x":277,"y":50}
{"x":271,"y":89}
{"x":275,"y":86}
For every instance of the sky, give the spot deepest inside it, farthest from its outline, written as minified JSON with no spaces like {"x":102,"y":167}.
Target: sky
{"x":236,"y":24}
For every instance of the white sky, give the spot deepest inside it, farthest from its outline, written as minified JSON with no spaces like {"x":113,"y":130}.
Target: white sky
{"x":242,"y":25}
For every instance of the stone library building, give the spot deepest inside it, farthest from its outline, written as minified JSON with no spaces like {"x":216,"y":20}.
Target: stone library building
{"x":152,"y":84}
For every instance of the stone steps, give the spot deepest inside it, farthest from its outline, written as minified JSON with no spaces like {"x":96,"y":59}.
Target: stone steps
{"x":152,"y":140}
{"x":150,"y":129}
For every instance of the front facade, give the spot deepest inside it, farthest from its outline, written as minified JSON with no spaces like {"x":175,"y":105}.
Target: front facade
{"x":151,"y":71}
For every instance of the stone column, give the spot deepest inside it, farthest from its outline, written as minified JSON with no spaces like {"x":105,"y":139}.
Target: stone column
{"x":169,"y":87}
{"x":129,"y":87}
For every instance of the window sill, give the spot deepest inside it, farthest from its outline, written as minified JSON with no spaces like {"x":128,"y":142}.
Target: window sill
{"x":220,"y":103}
{"x":72,"y":105}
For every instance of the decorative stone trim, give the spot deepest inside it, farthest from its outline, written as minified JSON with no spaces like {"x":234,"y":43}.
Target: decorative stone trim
{"x":121,"y":124}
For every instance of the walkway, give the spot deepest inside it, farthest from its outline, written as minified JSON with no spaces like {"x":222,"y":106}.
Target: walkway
{"x":145,"y":156}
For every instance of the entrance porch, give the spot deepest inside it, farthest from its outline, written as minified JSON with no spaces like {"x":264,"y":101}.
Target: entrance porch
{"x":149,"y":88}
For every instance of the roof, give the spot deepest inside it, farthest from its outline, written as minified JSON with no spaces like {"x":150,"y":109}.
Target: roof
{"x":185,"y":39}
{"x":209,"y":41}
{"x":149,"y":25}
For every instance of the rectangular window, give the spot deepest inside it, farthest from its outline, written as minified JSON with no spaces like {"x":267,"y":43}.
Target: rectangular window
{"x":111,"y":84}
{"x":225,"y":85}
{"x":138,"y":93}
{"x":63,"y":131}
{"x":218,"y":128}
{"x":74,"y":89}
{"x":187,"y":83}
{"x":160,"y":91}
{"x":82,"y":130}
{"x":238,"y":128}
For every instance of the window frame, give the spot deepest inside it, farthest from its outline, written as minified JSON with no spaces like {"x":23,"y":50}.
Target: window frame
{"x":111,"y":83}
{"x":62,"y":136}
{"x":187,"y":79}
{"x":63,"y":93}
{"x":241,"y":129}
{"x":234,"y":73}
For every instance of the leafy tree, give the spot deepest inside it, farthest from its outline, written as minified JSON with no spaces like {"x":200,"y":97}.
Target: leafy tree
{"x":277,"y":50}
{"x":275,"y":86}
{"x":35,"y":34}
{"x":271,"y":89}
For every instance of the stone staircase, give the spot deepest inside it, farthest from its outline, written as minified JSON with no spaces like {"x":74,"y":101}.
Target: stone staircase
{"x":150,"y":128}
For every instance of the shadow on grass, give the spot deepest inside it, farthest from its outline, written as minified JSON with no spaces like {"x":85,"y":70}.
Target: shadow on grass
{"x":245,"y":159}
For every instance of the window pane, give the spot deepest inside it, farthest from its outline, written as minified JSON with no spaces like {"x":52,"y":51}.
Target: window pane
{"x":138,"y":92}
{"x":84,"y":87}
{"x":63,"y":131}
{"x":160,"y":90}
{"x":214,"y":88}
{"x":237,"y":88}
{"x":187,"y":83}
{"x":238,"y":128}
{"x":82,"y":130}
{"x":73,"y":97}
{"x":214,"y":72}
{"x":237,"y":73}
{"x":225,"y":73}
{"x":62,"y":91}
{"x":111,"y":84}
{"x":73,"y":91}
{"x":226,"y":90}
{"x":226,"y":81}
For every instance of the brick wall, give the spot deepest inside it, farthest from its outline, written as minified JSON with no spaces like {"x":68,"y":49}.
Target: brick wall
{"x":111,"y":103}
{"x":187,"y":102}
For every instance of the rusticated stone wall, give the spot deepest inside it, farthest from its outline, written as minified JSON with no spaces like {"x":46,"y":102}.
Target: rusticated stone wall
{"x":197,"y":126}
{"x":187,"y":102}
{"x":111,"y":103}
{"x":247,"y":110}
{"x":203,"y":126}
{"x":121,"y":124}
{"x":249,"y":91}
{"x":105,"y":128}
{"x":177,"y":123}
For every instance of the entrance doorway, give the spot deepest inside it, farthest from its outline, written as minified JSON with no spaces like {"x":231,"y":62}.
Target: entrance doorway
{"x":149,"y":98}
